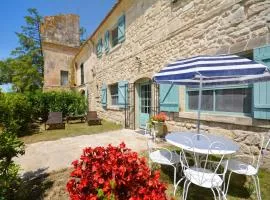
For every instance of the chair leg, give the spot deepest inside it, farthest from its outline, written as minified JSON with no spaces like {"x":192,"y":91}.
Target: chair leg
{"x":175,"y":188}
{"x":257,"y":186}
{"x":187,"y":190}
{"x":174,"y":176}
{"x":214,"y":193}
{"x":226,"y":185}
{"x":184,"y":189}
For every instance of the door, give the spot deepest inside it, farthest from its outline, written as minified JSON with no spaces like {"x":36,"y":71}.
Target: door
{"x":144,"y":104}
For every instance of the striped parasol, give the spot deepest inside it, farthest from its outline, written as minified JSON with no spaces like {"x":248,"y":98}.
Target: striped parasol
{"x":212,"y":70}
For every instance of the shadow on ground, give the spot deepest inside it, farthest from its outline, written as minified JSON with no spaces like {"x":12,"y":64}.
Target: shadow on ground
{"x":34,"y":184}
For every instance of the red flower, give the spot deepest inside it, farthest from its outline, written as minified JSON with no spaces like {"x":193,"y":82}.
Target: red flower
{"x":114,"y":171}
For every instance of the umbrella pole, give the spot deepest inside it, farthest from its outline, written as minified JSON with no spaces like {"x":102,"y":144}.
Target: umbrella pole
{"x":199,"y":106}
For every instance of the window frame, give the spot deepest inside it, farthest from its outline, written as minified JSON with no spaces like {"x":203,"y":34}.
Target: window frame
{"x":115,"y":95}
{"x":61,"y":80}
{"x":216,"y":88}
{"x":114,"y":28}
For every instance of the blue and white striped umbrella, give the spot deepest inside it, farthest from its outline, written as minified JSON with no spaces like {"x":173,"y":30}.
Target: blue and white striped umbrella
{"x":214,"y":70}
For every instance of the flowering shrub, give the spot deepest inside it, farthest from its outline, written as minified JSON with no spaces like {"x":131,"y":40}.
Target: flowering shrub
{"x":161,"y":117}
{"x":113,"y":173}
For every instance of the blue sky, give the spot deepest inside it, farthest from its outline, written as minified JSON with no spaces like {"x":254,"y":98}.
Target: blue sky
{"x":12,"y":14}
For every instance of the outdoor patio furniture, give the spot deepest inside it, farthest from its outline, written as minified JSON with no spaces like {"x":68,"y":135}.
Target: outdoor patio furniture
{"x":149,"y":131}
{"x":75,"y":117}
{"x":201,"y":170}
{"x":248,"y":165}
{"x":92,"y":118}
{"x":163,"y":156}
{"x":55,"y":120}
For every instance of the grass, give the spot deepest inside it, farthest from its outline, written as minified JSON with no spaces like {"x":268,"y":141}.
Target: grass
{"x":71,"y":130}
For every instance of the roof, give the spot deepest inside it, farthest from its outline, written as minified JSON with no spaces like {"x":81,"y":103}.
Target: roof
{"x":102,"y":22}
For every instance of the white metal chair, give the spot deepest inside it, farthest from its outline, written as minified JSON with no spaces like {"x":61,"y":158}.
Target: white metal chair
{"x":248,"y":165}
{"x":202,"y":170}
{"x":149,"y":131}
{"x":163,"y":156}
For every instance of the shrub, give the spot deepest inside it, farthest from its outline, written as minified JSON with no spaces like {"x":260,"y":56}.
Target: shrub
{"x":67,"y":102}
{"x":113,"y":173}
{"x":10,"y":147}
{"x":15,"y":113}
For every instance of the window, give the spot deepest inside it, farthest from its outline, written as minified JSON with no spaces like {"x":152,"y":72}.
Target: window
{"x":114,"y":94}
{"x":82,"y":74}
{"x":64,"y":78}
{"x":99,"y":48}
{"x":115,"y":36}
{"x":235,"y":100}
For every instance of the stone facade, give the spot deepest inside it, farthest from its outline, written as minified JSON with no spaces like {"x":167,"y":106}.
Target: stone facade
{"x":60,"y":43}
{"x":158,"y":31}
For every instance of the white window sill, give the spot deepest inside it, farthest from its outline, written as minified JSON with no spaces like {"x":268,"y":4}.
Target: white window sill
{"x":221,"y":118}
{"x":116,"y":108}
{"x":115,"y":48}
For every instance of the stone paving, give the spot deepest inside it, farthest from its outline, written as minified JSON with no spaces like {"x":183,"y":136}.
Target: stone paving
{"x":48,"y":156}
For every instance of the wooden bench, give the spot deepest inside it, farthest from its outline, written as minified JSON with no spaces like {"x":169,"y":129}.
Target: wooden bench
{"x":92,"y":118}
{"x":55,"y":120}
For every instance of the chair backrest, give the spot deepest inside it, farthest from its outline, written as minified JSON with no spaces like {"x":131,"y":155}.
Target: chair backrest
{"x":55,"y":117}
{"x":92,"y":115}
{"x":210,"y":161}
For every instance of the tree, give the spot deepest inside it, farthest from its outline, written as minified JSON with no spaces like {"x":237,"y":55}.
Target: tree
{"x":5,"y":72}
{"x":82,"y":35}
{"x":30,"y":50}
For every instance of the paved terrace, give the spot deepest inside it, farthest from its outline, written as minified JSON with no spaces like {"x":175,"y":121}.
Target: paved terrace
{"x":55,"y":155}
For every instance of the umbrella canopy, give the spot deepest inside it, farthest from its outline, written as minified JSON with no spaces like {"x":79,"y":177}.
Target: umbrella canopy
{"x":214,"y":70}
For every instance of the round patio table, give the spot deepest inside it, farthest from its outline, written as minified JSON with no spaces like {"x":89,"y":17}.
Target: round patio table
{"x":201,"y":145}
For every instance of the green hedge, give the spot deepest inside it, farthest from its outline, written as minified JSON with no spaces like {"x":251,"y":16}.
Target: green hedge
{"x":17,"y":111}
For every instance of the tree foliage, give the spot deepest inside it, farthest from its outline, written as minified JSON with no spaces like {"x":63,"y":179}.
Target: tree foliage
{"x":25,"y":69}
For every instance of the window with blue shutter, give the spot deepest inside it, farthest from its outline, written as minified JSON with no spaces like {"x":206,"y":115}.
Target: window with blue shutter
{"x":122,"y":94}
{"x":261,"y":90}
{"x":99,"y":48}
{"x":107,"y":41}
{"x":104,"y":95}
{"x":121,"y":28}
{"x":169,"y":97}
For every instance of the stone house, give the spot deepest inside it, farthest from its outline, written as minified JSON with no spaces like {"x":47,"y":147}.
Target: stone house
{"x":115,"y":66}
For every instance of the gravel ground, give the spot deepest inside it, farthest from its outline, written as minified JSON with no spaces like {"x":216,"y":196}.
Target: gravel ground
{"x":49,"y":156}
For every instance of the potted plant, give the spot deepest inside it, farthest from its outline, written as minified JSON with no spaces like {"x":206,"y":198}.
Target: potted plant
{"x":158,"y":121}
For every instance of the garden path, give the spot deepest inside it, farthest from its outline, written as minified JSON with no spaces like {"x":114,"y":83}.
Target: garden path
{"x":55,"y":155}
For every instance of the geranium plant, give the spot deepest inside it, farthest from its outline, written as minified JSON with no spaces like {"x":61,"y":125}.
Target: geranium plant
{"x":113,"y":173}
{"x":160,"y":117}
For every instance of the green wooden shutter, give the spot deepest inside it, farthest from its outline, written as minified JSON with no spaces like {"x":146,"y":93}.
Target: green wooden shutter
{"x":121,"y":28}
{"x":107,"y":41}
{"x":99,"y":48}
{"x":122,"y":93}
{"x":261,"y":91}
{"x":169,"y":97}
{"x":104,"y":95}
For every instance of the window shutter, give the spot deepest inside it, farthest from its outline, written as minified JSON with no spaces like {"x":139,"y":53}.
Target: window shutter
{"x":99,"y":48}
{"x":261,"y":90}
{"x":121,"y":28}
{"x":169,"y":97}
{"x":122,"y":93}
{"x":104,"y":95}
{"x":107,"y":41}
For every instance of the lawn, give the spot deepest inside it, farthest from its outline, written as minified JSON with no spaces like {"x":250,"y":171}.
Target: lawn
{"x":71,"y":130}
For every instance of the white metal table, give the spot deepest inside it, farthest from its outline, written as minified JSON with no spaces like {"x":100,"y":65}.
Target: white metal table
{"x":200,"y":145}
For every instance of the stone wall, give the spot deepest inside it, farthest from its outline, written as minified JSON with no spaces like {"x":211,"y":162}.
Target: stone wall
{"x":158,"y":31}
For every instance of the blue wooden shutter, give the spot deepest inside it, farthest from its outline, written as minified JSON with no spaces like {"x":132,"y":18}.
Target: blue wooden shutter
{"x":104,"y":95}
{"x":99,"y":48}
{"x":121,"y":28}
{"x":261,"y":91}
{"x":122,"y":93}
{"x":107,"y":41}
{"x":169,"y":97}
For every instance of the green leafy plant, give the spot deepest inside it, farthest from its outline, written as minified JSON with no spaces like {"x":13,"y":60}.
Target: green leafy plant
{"x":10,"y":147}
